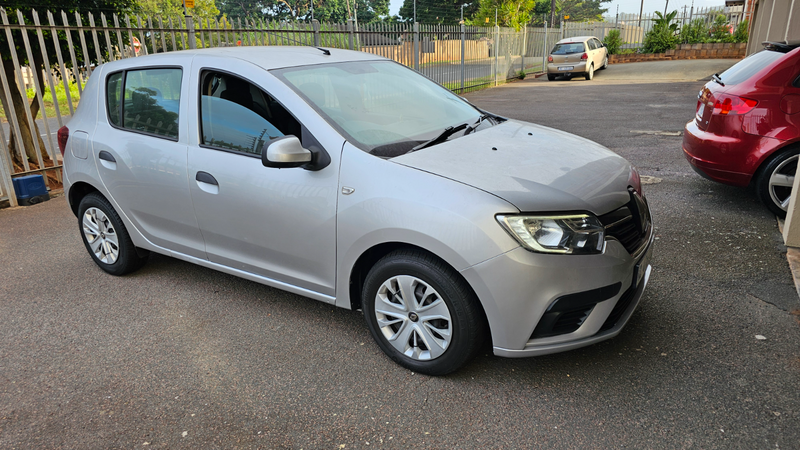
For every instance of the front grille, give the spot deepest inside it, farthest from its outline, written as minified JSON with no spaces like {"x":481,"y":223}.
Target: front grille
{"x":630,"y":224}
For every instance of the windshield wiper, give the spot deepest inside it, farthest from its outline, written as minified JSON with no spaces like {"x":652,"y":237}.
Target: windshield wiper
{"x":449,"y":131}
{"x":717,"y":79}
{"x":475,"y":125}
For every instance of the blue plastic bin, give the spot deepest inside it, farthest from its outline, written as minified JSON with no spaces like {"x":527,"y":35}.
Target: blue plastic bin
{"x":30,"y":190}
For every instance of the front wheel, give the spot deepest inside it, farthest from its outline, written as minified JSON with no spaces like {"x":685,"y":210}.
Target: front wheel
{"x":105,"y":237}
{"x":421,"y":313}
{"x":590,"y":74}
{"x":775,"y":180}
{"x":605,"y":63}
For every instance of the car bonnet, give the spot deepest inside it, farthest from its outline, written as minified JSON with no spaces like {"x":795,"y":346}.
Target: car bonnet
{"x":535,"y":168}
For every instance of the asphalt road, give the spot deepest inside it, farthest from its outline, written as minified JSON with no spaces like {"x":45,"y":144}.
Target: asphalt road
{"x":178,"y":356}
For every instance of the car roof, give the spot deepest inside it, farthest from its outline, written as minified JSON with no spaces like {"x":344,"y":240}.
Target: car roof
{"x":267,"y":57}
{"x":576,"y":39}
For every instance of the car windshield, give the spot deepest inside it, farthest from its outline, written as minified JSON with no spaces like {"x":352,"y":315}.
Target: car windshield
{"x":749,"y":66}
{"x":566,"y":49}
{"x":380,"y":106}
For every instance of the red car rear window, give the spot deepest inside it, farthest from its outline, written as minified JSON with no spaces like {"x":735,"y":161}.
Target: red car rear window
{"x":749,"y":66}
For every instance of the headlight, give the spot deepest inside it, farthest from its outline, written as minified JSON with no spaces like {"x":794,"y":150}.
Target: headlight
{"x":575,"y":234}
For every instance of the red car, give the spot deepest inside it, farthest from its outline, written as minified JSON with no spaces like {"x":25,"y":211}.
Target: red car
{"x":747,"y":126}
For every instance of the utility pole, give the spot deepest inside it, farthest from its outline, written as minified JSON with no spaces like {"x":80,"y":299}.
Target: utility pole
{"x":665,"y":7}
{"x":415,"y":11}
{"x":641,"y":9}
{"x":312,"y":9}
{"x":553,"y":11}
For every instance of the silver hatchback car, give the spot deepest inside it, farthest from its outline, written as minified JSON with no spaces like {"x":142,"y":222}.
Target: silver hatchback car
{"x":350,"y":179}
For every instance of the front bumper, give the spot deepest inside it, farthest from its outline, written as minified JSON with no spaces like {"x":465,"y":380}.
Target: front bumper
{"x":577,"y":69}
{"x":518,"y":288}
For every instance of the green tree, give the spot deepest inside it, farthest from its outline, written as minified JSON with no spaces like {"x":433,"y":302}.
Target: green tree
{"x":337,"y":11}
{"x":581,"y":10}
{"x":510,"y":13}
{"x":662,"y":36}
{"x":19,"y":101}
{"x":203,"y":9}
{"x":438,"y":11}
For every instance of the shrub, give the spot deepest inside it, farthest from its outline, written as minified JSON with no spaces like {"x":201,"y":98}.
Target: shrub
{"x":662,"y":36}
{"x":613,"y":42}
{"x":740,"y":35}
{"x":721,"y":30}
{"x":696,"y":32}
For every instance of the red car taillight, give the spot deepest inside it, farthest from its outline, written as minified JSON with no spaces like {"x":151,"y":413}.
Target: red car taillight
{"x":584,"y":57}
{"x":549,"y":58}
{"x":63,"y":135}
{"x":731,"y":104}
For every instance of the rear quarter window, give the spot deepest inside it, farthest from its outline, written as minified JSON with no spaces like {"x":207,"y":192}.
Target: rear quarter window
{"x":746,"y":68}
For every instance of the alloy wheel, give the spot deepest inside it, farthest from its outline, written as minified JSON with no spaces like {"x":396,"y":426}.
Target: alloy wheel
{"x":781,"y":181}
{"x":100,"y":235}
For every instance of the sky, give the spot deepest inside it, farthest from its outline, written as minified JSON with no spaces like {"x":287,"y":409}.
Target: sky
{"x":625,"y":6}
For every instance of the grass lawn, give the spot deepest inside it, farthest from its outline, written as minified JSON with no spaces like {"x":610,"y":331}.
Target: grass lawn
{"x":49,"y":105}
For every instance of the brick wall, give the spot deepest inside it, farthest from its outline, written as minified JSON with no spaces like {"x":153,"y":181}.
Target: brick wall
{"x":686,"y":51}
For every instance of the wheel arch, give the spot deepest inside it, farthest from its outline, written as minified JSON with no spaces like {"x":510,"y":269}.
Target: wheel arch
{"x":77,"y":192}
{"x":369,"y":257}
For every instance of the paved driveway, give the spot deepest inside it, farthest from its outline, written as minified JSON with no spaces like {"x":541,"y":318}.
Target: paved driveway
{"x":178,"y":356}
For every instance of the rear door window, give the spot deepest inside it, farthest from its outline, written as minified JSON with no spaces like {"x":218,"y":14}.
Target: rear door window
{"x":749,"y":66}
{"x":567,"y":49}
{"x":151,"y":102}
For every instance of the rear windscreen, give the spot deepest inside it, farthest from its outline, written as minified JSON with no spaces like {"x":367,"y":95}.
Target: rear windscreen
{"x":749,"y":66}
{"x":566,"y":49}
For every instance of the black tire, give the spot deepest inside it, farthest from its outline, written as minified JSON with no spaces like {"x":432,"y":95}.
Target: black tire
{"x":589,"y":75}
{"x":109,"y":225}
{"x":782,"y":163}
{"x":551,"y":77}
{"x":466,"y":324}
{"x":605,"y":63}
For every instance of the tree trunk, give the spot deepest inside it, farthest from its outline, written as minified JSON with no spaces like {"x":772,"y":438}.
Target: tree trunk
{"x":26,"y":138}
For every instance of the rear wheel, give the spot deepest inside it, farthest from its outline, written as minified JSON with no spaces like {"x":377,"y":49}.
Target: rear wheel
{"x":421,"y":313}
{"x":590,"y":74}
{"x":105,"y":237}
{"x":775,"y":179}
{"x":551,"y":77}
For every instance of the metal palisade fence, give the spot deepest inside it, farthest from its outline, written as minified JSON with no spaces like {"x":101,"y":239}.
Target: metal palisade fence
{"x":633,"y":27}
{"x":48,"y":57}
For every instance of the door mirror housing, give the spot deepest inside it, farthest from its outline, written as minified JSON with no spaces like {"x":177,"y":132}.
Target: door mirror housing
{"x":284,"y":152}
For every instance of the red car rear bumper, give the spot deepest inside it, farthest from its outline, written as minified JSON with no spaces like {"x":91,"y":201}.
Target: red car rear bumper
{"x":726,"y":159}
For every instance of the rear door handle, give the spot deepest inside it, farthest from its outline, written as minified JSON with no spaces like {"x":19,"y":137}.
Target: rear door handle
{"x":107,"y":160}
{"x":207,"y":183}
{"x":205,"y":177}
{"x":105,"y":156}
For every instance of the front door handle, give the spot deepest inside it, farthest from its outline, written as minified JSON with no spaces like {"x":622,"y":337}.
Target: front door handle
{"x":205,"y":177}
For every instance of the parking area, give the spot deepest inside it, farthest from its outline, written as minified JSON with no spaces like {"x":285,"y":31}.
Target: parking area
{"x":179,"y":356}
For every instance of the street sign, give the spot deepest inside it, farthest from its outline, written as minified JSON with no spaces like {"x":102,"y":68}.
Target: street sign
{"x":188,"y":3}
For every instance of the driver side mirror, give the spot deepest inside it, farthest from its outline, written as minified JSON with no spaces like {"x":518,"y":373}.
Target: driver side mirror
{"x":284,"y":152}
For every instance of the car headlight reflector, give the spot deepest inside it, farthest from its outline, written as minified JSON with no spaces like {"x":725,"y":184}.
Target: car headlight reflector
{"x":574,"y":234}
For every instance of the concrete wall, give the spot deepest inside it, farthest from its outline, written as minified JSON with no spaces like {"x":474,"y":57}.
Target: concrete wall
{"x":773,"y":20}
